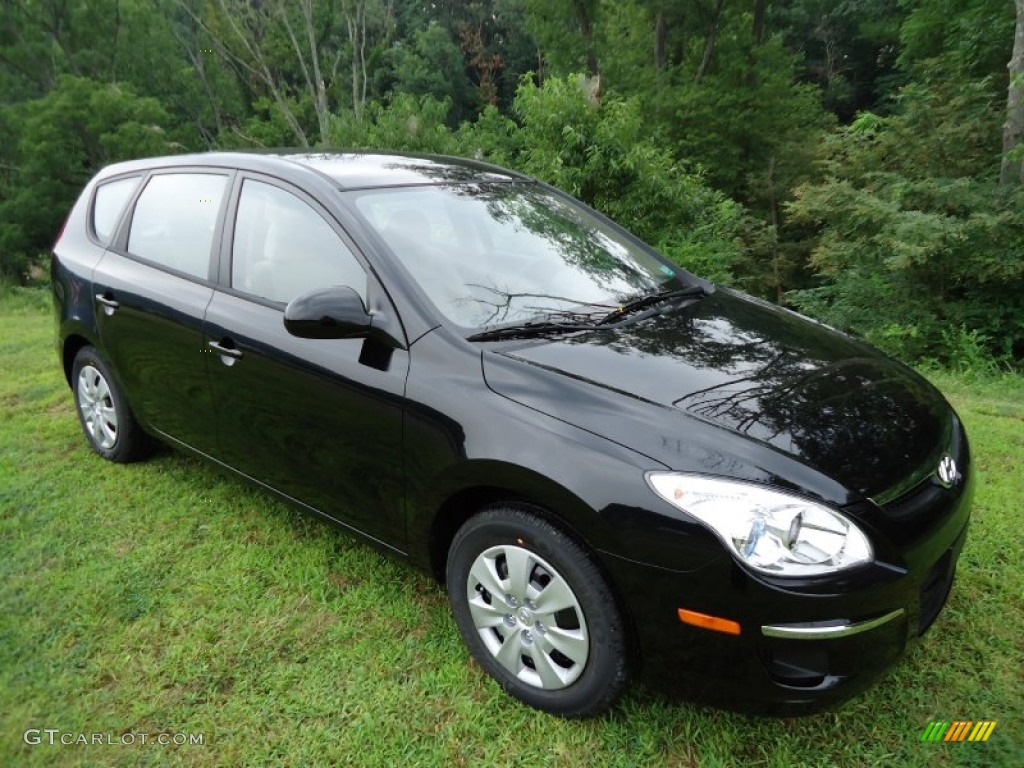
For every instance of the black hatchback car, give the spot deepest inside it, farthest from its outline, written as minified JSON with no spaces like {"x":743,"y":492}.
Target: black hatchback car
{"x":615,"y":467}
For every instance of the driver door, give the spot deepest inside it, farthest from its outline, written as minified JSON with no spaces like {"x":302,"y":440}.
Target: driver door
{"x":318,"y":420}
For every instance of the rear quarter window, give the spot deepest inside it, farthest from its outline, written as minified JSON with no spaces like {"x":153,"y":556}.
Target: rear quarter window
{"x":108,"y":202}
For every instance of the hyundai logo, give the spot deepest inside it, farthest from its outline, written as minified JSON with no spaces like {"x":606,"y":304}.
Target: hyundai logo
{"x":946,"y":471}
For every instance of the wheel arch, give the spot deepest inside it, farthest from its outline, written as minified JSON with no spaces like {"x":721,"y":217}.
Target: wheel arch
{"x":70,"y":347}
{"x":454,"y":511}
{"x":544,"y":498}
{"x":464,"y":503}
{"x":466,"y":488}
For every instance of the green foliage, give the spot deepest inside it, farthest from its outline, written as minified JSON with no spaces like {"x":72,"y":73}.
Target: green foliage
{"x":850,"y":48}
{"x":266,"y":126}
{"x":561,"y":30}
{"x":405,"y":123}
{"x":494,"y":136}
{"x":66,"y":136}
{"x":431,"y":64}
{"x":971,"y":38}
{"x":604,"y":156}
{"x":926,"y":265}
{"x":746,"y":113}
{"x":711,"y":132}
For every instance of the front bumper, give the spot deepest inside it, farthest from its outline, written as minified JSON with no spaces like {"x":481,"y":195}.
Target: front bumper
{"x":801,"y":647}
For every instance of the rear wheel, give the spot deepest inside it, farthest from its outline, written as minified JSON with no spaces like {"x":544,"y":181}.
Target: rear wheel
{"x":106,"y":419}
{"x":536,"y":613}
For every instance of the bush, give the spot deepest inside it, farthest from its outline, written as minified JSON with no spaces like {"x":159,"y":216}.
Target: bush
{"x":925,"y":259}
{"x":605,"y":156}
{"x":66,"y":136}
{"x":405,"y":123}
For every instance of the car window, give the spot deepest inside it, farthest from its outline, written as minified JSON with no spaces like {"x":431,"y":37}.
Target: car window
{"x":107,"y":206}
{"x":506,"y":253}
{"x":283,"y":248}
{"x":174,"y":220}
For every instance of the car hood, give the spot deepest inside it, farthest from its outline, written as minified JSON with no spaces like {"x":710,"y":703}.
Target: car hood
{"x":734,"y":386}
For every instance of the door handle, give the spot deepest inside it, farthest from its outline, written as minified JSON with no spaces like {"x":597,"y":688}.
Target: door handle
{"x":109,"y":305}
{"x":224,"y":351}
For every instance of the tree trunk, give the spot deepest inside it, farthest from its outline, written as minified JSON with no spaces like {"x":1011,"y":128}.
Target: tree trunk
{"x":114,"y":40}
{"x":773,"y":201}
{"x":709,"y":47}
{"x":759,"y":21}
{"x":353,"y":36}
{"x":362,"y":59}
{"x":660,"y":35}
{"x":583,"y":13}
{"x":1012,"y":171}
{"x":314,"y":82}
{"x":355,"y":21}
{"x":319,"y":87}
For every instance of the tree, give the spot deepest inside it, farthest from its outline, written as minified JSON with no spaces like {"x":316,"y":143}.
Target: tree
{"x":1012,"y":171}
{"x":241,"y":33}
{"x":918,"y":247}
{"x":66,"y":136}
{"x":432,"y":64}
{"x":569,"y":33}
{"x":368,"y":23}
{"x":709,"y":44}
{"x":292,"y":52}
{"x":603,"y":155}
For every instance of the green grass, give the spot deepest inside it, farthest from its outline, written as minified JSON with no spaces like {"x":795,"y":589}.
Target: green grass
{"x":167,"y":597}
{"x":19,"y":300}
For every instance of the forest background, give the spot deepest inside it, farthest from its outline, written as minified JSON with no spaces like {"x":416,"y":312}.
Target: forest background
{"x":858,"y":160}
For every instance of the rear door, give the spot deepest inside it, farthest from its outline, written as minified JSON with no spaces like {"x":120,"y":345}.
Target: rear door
{"x":319,"y":420}
{"x":152,"y":287}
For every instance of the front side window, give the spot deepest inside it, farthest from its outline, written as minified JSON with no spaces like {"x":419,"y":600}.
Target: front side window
{"x":107,"y":206}
{"x":174,"y":221}
{"x":490,"y":254}
{"x":283,"y":248}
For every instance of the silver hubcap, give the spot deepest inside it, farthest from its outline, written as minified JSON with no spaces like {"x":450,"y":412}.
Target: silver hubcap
{"x":97,"y":406}
{"x":528,"y":617}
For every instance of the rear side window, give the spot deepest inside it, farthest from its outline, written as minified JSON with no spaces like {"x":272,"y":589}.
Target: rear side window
{"x":107,"y":206}
{"x":174,"y":221}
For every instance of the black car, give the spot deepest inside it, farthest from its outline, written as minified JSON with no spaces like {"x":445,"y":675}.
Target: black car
{"x":616,"y":467}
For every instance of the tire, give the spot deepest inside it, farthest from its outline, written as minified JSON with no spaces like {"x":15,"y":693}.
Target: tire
{"x":108,"y":423}
{"x":509,"y":574}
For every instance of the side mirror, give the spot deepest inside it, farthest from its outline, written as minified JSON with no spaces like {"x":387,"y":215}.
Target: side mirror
{"x":337,"y":312}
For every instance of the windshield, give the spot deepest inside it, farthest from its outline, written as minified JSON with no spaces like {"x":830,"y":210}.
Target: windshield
{"x":495,"y":254}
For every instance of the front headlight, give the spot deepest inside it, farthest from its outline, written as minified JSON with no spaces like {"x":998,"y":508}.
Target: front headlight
{"x":768,"y":530}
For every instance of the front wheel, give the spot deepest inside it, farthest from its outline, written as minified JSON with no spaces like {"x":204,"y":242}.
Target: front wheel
{"x":536,"y":613}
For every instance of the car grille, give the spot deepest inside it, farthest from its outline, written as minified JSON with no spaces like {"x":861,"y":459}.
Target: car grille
{"x":918,"y":503}
{"x":914,"y":516}
{"x":918,"y":510}
{"x":935,"y":590}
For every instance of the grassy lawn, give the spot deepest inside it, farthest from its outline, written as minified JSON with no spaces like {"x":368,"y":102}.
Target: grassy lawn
{"x":165,"y":597}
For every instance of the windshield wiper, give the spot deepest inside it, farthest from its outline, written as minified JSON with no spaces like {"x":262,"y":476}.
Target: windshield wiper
{"x":533,"y":328}
{"x":569,"y":321}
{"x":652,"y":299}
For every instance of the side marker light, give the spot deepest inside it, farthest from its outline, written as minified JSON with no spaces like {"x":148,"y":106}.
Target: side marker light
{"x":704,"y":621}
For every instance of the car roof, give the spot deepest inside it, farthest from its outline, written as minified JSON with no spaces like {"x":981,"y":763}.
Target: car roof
{"x":347,"y":169}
